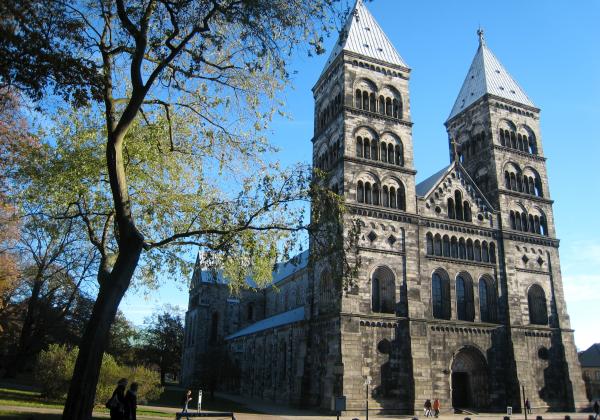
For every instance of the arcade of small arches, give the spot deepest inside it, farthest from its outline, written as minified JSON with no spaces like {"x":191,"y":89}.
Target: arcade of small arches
{"x":459,"y":209}
{"x":329,"y":111}
{"x":386,"y":101}
{"x":516,"y":180}
{"x":329,"y":155}
{"x":378,"y":69}
{"x":523,"y":222}
{"x":521,"y":142}
{"x":389,"y":196}
{"x":383,"y":151}
{"x":465,"y":306}
{"x":459,"y":248}
{"x":471,"y":147}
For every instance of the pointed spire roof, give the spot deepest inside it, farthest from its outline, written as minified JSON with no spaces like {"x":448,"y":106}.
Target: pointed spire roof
{"x":363,"y":35}
{"x":487,"y":75}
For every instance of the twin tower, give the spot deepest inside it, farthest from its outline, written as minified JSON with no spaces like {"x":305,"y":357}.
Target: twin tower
{"x":459,"y":294}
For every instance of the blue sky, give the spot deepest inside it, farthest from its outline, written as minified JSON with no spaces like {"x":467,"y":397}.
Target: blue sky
{"x":551,"y":48}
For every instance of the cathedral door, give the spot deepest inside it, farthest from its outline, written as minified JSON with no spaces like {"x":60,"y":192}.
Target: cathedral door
{"x":469,"y":379}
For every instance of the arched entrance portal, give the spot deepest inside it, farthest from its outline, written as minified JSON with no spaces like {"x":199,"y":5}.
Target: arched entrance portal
{"x":469,"y":379}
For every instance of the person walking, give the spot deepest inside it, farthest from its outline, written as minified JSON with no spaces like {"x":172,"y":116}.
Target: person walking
{"x":131,"y":402}
{"x":186,"y":400}
{"x":427,"y":408}
{"x":527,"y":406}
{"x":596,"y":410}
{"x":116,"y":403}
{"x":436,"y":407}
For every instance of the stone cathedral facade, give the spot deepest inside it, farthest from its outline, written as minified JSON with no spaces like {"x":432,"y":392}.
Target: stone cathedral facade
{"x":459,"y":295}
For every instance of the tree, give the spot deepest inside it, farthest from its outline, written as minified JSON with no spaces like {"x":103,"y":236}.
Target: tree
{"x":56,"y":262}
{"x":214,"y":61}
{"x":163,"y":342}
{"x":123,"y":341}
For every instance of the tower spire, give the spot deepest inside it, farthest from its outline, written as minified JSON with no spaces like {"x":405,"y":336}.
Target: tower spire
{"x":480,"y":35}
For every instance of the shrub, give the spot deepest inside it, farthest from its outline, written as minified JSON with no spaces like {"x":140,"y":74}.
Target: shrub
{"x":55,"y":368}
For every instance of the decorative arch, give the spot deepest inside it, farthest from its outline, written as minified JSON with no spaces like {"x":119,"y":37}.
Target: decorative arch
{"x":537,"y":305}
{"x":469,"y":372}
{"x":383,"y":290}
{"x":487,"y":299}
{"x":440,"y":294}
{"x":465,"y":310}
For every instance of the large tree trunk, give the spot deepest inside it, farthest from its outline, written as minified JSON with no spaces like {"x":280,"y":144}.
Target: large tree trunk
{"x":82,"y":390}
{"x":22,"y":352}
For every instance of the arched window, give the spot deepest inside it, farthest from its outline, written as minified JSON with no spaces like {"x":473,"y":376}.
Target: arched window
{"x":464,"y":298}
{"x":451,"y":210}
{"x":383,"y":296}
{"x":437,"y":245}
{"x":467,"y":211}
{"x":470,"y":252}
{"x":458,"y":206}
{"x":372,"y":102}
{"x":390,"y":151}
{"x":454,"y":247}
{"x":393,"y":199}
{"x":374,"y":149}
{"x":462,"y":249}
{"x":544,"y":225}
{"x":518,"y":219}
{"x":365,"y":100}
{"x":368,"y":193}
{"x":383,"y":152}
{"x":401,"y":198}
{"x":487,"y":300}
{"x":485,"y":252}
{"x":388,"y":107}
{"x":358,"y":99}
{"x":367,"y":149}
{"x":359,"y":147}
{"x":533,"y":145}
{"x":375,"y":194}
{"x":381,"y":105}
{"x":396,"y":108}
{"x":399,"y":155}
{"x":386,"y":196}
{"x":429,"y":240}
{"x":477,"y":251}
{"x":360,"y":192}
{"x":446,"y":246}
{"x":538,"y":187}
{"x":440,"y":295}
{"x":214,"y":327}
{"x":538,"y":311}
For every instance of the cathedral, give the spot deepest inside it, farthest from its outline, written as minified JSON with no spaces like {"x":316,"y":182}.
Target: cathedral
{"x":459,"y":294}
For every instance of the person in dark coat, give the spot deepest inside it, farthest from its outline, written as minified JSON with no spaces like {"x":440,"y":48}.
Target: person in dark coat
{"x":596,"y":410}
{"x":131,"y":402}
{"x":117,"y":401}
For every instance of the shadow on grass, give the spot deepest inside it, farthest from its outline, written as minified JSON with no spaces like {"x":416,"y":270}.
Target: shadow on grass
{"x":11,"y":415}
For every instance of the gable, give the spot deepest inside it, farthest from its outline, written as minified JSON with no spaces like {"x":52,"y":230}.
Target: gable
{"x":443,"y":190}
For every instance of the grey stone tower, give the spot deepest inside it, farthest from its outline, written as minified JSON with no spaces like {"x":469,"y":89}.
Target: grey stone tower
{"x":363,"y":137}
{"x":494,"y":131}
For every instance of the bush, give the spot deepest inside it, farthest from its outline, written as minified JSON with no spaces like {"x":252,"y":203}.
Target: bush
{"x":55,"y":368}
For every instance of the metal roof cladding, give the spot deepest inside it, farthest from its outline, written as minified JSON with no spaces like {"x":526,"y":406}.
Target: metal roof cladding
{"x":487,"y":75}
{"x":363,"y":35}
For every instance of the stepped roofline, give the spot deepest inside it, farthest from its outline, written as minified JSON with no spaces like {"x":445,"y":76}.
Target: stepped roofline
{"x":362,"y":35}
{"x":487,"y":76}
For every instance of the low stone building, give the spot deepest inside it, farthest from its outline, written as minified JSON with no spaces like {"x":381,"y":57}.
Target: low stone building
{"x":459,"y":295}
{"x":590,"y":367}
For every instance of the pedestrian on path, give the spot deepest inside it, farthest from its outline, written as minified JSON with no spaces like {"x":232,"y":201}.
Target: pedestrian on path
{"x":436,"y":407}
{"x":186,"y":400}
{"x":131,"y":402}
{"x":528,"y":406}
{"x":116,"y":403}
{"x":596,"y":410}
{"x":427,"y":408}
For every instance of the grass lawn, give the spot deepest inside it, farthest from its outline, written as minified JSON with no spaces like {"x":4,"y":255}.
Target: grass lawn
{"x":11,"y":415}
{"x":11,"y":396}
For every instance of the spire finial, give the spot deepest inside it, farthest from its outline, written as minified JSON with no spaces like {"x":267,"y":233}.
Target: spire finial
{"x":480,"y":35}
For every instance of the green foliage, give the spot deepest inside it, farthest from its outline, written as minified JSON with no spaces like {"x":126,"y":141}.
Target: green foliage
{"x":55,"y":366}
{"x":53,"y":371}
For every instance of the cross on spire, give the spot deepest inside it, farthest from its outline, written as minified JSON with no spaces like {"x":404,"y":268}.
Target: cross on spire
{"x":480,"y":35}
